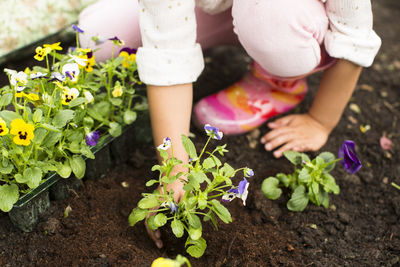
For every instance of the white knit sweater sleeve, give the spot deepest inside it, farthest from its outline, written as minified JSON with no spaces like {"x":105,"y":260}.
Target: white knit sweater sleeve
{"x":169,"y":54}
{"x":214,"y":6}
{"x":350,"y":35}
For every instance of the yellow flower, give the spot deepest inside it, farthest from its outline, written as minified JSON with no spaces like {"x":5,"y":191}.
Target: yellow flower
{"x":162,"y":262}
{"x":30,"y":96}
{"x":84,"y":50}
{"x":90,"y":63}
{"x":23,"y":132}
{"x":41,"y":52}
{"x":128,"y":58}
{"x":3,"y":127}
{"x":55,"y":46}
{"x":69,"y":95}
{"x":117,"y":92}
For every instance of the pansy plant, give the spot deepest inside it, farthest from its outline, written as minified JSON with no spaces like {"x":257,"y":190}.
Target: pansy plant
{"x":311,"y":180}
{"x":207,"y":184}
{"x":53,"y":114}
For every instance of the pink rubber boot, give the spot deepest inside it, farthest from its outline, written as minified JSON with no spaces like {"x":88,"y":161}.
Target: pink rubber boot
{"x":250,"y":102}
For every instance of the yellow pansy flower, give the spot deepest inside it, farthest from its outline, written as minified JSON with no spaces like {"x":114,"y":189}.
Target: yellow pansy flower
{"x":23,"y":132}
{"x":55,"y":46}
{"x":30,"y":96}
{"x":69,"y":95}
{"x":163,"y":262}
{"x":90,"y":63}
{"x":117,"y":92}
{"x":129,"y":59}
{"x":41,"y":52}
{"x":3,"y":127}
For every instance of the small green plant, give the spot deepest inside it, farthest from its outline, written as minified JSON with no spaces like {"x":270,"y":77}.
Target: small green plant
{"x":207,"y":182}
{"x":311,"y":179}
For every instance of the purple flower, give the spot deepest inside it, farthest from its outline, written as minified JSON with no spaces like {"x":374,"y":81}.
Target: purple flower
{"x":350,"y":160}
{"x":56,"y":76}
{"x":92,"y":138}
{"x":228,"y":197}
{"x":213,"y":132}
{"x":116,"y":40}
{"x":243,"y":190}
{"x":128,"y":50}
{"x":171,"y":205}
{"x":76,"y":29}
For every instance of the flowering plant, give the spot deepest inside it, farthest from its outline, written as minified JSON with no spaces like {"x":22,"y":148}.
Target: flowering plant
{"x":206,"y":182}
{"x":51,"y":116}
{"x":311,"y":180}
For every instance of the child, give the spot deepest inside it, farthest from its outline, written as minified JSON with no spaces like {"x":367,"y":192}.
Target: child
{"x":287,"y":39}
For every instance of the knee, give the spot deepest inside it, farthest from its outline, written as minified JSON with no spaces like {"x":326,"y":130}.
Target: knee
{"x":282,"y":36}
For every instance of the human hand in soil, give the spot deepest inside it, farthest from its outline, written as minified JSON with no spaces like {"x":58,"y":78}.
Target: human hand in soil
{"x":177,"y":187}
{"x":295,"y":132}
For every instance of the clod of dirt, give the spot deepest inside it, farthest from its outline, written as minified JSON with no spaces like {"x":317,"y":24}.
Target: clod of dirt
{"x":51,"y":226}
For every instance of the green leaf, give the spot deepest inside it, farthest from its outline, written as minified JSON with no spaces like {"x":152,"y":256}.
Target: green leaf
{"x":6,"y":169}
{"x":148,"y":202}
{"x":78,"y":166}
{"x":39,"y":135}
{"x":9,"y":116}
{"x":6,"y":99}
{"x":299,"y":199}
{"x":177,"y":228}
{"x":164,"y":154}
{"x":151,"y":182}
{"x":293,"y":156}
{"x":77,"y":101}
{"x":50,"y":127}
{"x":160,"y":219}
{"x":270,"y":188}
{"x":329,"y":184}
{"x":194,"y":220}
{"x":324,"y":198}
{"x":129,"y":116}
{"x":227,"y":170}
{"x":85,"y":151}
{"x":37,"y":115}
{"x":33,"y":176}
{"x":115,"y":129}
{"x":197,"y":247}
{"x":63,"y":117}
{"x":283,"y":178}
{"x":93,"y":113}
{"x":328,"y":157}
{"x":64,"y":170}
{"x":304,"y":176}
{"x":9,"y":195}
{"x":195,"y":233}
{"x":208,"y":163}
{"x":151,"y":224}
{"x":116,"y":101}
{"x":315,"y":187}
{"x":102,"y":108}
{"x":74,"y":147}
{"x":88,"y":122}
{"x":221,"y":211}
{"x":189,"y":146}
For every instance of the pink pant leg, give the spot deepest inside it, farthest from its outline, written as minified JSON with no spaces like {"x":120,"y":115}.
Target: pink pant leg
{"x":283,"y":36}
{"x":120,"y":18}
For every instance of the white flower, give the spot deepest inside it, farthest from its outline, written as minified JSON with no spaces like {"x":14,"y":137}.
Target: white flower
{"x":79,"y":60}
{"x":72,"y":71}
{"x":46,"y":98}
{"x":37,"y":75}
{"x":89,"y":97}
{"x":166,"y":144}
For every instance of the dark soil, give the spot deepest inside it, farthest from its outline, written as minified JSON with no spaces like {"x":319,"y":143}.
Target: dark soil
{"x":361,"y":228}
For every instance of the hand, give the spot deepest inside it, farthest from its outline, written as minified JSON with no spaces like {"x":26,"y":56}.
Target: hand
{"x":177,"y":187}
{"x":295,"y":132}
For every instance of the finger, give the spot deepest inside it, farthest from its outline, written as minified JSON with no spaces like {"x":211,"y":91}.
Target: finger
{"x":280,"y":122}
{"x":288,"y":146}
{"x":278,"y":141}
{"x":155,"y":236}
{"x":273,"y":134}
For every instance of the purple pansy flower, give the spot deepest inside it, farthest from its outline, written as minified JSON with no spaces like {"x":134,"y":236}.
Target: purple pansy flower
{"x":76,"y":29}
{"x":166,"y":144}
{"x":116,"y":40}
{"x":349,"y":157}
{"x":248,"y":172}
{"x":92,"y":138}
{"x":56,"y":76}
{"x":128,"y":50}
{"x":171,"y":205}
{"x":214,"y":132}
{"x":243,"y":190}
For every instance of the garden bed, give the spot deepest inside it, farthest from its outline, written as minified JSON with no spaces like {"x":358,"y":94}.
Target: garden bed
{"x":361,"y":228}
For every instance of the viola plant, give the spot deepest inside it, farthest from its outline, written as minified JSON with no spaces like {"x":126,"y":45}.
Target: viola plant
{"x":207,"y":182}
{"x":51,"y":115}
{"x":311,"y":179}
